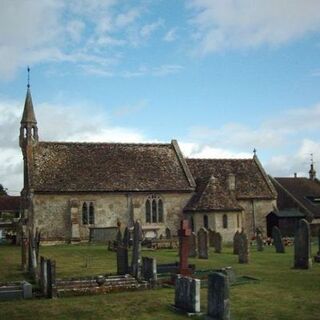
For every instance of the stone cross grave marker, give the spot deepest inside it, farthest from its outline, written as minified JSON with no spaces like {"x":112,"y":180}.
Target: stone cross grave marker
{"x":277,"y":240}
{"x":217,"y":243}
{"x":259,"y":241}
{"x":302,"y":246}
{"x":236,"y":240}
{"x":203,"y":243}
{"x":184,"y":234}
{"x":136,"y":250}
{"x":192,"y":245}
{"x":243,"y":248}
{"x":218,"y":297}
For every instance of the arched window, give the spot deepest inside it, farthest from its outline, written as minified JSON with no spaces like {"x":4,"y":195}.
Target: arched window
{"x":192,"y":224}
{"x":154,"y":209}
{"x":160,"y":211}
{"x":84,"y":213}
{"x":91,"y":213}
{"x":225,"y":221}
{"x":205,"y":221}
{"x":238,"y":220}
{"x":25,"y":132}
{"x":148,"y":211}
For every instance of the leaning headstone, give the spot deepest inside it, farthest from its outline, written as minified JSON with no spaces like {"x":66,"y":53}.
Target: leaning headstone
{"x":149,"y":270}
{"x":243,"y":248}
{"x":168,"y":233}
{"x":302,"y":246}
{"x":277,"y":240}
{"x":211,"y":237}
{"x":192,"y":245}
{"x":184,"y":233}
{"x":203,"y":244}
{"x":236,"y":240}
{"x":259,"y":241}
{"x":317,"y":256}
{"x":136,"y":250}
{"x":218,"y":297}
{"x":217,"y":242}
{"x":187,"y":295}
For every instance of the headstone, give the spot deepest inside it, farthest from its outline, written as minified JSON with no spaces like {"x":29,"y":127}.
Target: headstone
{"x":302,"y":246}
{"x":218,"y":297}
{"x":192,"y":245}
{"x":119,"y":237}
{"x":126,"y":237}
{"x":168,"y":233}
{"x":243,"y":248}
{"x":203,"y":244}
{"x":149,"y":270}
{"x":229,"y":272}
{"x":184,"y":234}
{"x":211,"y":237}
{"x":187,"y":294}
{"x":217,"y":243}
{"x":277,"y":240}
{"x":51,"y":275}
{"x":136,"y":250}
{"x":317,"y":256}
{"x":122,"y":260}
{"x":26,"y":290}
{"x":259,"y":241}
{"x":236,"y":240}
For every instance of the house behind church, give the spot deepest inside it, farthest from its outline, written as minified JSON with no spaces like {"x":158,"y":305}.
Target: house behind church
{"x":72,"y":187}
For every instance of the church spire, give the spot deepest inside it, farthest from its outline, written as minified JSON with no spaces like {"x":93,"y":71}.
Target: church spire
{"x":312,"y":172}
{"x":28,"y":127}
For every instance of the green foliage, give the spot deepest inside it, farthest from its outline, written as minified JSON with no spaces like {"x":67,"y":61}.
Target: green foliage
{"x":3,"y":190}
{"x":283,"y":292}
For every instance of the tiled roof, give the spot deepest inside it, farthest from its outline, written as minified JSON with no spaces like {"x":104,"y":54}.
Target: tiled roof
{"x":9,"y":203}
{"x":211,"y":195}
{"x":301,"y":191}
{"x":250,"y":179}
{"x":69,"y":167}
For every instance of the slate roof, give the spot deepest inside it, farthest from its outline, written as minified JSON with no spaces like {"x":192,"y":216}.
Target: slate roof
{"x":9,"y":203}
{"x":83,"y":167}
{"x":298,"y":190}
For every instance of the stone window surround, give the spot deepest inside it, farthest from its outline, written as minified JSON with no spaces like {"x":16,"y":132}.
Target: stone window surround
{"x":154,"y":209}
{"x":89,"y":218}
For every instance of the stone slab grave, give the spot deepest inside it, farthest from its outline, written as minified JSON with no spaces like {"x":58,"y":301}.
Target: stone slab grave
{"x":317,"y":256}
{"x":277,"y":240}
{"x":218,"y":297}
{"x":243,"y":248}
{"x":302,"y":246}
{"x":203,"y":242}
{"x":15,"y":290}
{"x":187,"y":296}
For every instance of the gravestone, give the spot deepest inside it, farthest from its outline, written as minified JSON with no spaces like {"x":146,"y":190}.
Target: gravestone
{"x":277,"y":240}
{"x":168,"y":233}
{"x":149,"y":270}
{"x":136,"y":250}
{"x":236,"y":240}
{"x":211,"y":237}
{"x":192,"y":245}
{"x":184,"y":234}
{"x":203,"y":244}
{"x":217,"y":242}
{"x":317,"y":256}
{"x":122,"y":260}
{"x":218,"y":297}
{"x":187,"y":294}
{"x":126,"y":237}
{"x":243,"y":248}
{"x":259,"y":241}
{"x":119,"y":237}
{"x":302,"y":246}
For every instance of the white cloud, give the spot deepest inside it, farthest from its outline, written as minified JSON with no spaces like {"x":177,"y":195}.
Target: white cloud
{"x":171,"y":35}
{"x":148,"y":29}
{"x":246,"y":23}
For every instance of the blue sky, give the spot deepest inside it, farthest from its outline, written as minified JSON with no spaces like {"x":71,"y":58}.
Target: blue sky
{"x":221,"y":77}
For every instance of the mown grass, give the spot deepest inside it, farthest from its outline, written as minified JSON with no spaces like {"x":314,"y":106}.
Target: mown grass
{"x":282,"y":293}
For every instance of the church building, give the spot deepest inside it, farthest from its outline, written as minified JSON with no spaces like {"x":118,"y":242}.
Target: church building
{"x":72,"y":187}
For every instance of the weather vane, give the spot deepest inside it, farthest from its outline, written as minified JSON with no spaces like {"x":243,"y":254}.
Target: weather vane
{"x":28,"y":85}
{"x":311,"y":154}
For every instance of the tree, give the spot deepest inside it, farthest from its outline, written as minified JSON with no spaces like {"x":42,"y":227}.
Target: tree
{"x":3,"y":191}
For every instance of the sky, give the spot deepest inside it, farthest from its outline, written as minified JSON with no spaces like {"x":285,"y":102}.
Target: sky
{"x":221,"y":77}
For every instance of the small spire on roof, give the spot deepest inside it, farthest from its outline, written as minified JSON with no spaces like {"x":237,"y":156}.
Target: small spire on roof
{"x":312,"y":172}
{"x":254,"y":152}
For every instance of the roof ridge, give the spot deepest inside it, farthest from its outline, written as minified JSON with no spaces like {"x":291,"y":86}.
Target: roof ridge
{"x":215,"y":159}
{"x":102,"y":143}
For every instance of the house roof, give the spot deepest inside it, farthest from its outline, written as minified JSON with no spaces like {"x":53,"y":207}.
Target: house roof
{"x":304,"y":192}
{"x":9,"y":203}
{"x":211,"y":195}
{"x":250,"y":179}
{"x":73,"y":167}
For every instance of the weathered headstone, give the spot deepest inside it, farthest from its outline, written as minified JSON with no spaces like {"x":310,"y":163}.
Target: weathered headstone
{"x":126,"y":237}
{"x":259,"y":241}
{"x":184,"y":234}
{"x":236,"y":240}
{"x":168,"y":233}
{"x":136,"y":250}
{"x":149,"y":270}
{"x":211,"y":237}
{"x":187,"y":294}
{"x":122,"y":260}
{"x":192,"y":245}
{"x":51,"y":275}
{"x":277,"y":240}
{"x":217,"y":243}
{"x":243,"y":248}
{"x":218,"y":297}
{"x":302,"y":246}
{"x":26,"y":290}
{"x":119,"y":237}
{"x":203,"y":244}
{"x":229,"y":272}
{"x":317,"y":256}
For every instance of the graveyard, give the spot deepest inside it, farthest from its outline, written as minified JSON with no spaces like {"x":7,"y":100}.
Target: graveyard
{"x":277,"y":292}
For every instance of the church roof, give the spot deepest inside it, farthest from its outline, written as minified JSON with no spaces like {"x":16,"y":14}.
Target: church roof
{"x":251,"y":182}
{"x":90,"y":167}
{"x":28,"y":112}
{"x":211,"y":195}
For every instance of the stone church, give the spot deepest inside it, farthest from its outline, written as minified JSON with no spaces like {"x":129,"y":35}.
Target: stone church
{"x":72,"y":187}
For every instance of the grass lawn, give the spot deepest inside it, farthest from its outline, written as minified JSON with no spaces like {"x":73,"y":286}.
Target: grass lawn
{"x":282,"y":293}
